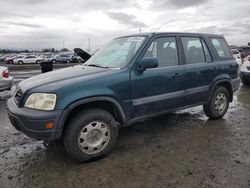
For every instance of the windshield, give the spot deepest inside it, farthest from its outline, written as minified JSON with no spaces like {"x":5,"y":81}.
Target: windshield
{"x":117,"y":53}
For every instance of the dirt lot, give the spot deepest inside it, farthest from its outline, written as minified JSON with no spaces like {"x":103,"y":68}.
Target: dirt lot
{"x":183,"y":149}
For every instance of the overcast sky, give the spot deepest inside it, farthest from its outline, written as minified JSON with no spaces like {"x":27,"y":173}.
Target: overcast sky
{"x":37,"y":24}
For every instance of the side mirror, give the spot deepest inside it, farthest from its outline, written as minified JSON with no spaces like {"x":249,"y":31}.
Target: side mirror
{"x":147,"y":63}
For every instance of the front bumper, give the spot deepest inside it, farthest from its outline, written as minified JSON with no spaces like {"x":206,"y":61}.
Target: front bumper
{"x":32,"y":122}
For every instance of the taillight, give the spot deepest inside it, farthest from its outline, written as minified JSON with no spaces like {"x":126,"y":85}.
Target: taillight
{"x":6,"y":73}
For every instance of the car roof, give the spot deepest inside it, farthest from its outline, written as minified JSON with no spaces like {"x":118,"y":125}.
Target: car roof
{"x":245,"y":47}
{"x":173,"y":33}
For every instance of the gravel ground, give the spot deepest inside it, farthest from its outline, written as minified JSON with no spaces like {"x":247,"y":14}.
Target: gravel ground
{"x":183,"y":149}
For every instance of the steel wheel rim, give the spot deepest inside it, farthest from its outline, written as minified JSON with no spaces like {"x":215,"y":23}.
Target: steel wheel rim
{"x":94,"y":137}
{"x":220,"y":103}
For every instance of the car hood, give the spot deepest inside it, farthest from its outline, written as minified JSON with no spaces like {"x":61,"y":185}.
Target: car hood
{"x":62,"y":77}
{"x":83,"y":54}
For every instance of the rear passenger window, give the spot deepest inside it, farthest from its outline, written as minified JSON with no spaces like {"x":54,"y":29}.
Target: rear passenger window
{"x":164,"y":50}
{"x":221,"y":47}
{"x":196,"y":50}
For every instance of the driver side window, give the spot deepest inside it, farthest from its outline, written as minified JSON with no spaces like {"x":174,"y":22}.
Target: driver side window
{"x":164,"y":50}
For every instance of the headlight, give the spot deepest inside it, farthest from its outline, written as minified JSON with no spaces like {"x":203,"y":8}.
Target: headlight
{"x":41,"y":101}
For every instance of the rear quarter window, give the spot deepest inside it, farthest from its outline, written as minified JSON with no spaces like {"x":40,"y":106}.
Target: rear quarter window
{"x":221,"y":48}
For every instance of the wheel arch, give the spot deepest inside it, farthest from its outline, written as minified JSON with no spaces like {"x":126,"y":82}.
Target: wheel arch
{"x":106,"y":103}
{"x":225,"y":83}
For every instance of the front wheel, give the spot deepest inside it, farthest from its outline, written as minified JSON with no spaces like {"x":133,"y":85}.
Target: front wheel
{"x":90,"y":135}
{"x":218,"y":105}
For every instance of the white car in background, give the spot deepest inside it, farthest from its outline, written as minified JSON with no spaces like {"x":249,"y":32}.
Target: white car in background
{"x":28,"y":59}
{"x":237,"y":55}
{"x":6,"y":81}
{"x":245,"y":71}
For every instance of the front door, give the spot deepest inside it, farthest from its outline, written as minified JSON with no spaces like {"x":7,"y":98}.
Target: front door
{"x":158,"y":89}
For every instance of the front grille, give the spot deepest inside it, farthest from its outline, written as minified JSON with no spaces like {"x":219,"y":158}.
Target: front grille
{"x":18,"y":97}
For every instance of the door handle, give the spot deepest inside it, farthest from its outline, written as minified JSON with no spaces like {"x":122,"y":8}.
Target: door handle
{"x":175,"y":75}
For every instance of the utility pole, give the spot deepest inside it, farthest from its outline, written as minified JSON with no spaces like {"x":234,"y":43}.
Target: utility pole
{"x":89,"y":43}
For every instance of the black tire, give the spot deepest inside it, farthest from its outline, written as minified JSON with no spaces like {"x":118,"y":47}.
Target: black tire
{"x":212,"y":108}
{"x":20,"y":62}
{"x":38,"y":61}
{"x":67,"y":61}
{"x":53,"y":61}
{"x":245,"y":81}
{"x":77,"y":126}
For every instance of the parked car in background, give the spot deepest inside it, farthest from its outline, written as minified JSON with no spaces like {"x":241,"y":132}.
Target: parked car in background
{"x":18,"y":57}
{"x":9,"y":60}
{"x":246,"y":50}
{"x":82,"y":55}
{"x":27,"y":59}
{"x":6,"y":81}
{"x":237,"y":55}
{"x":61,"y":58}
{"x":45,"y":57}
{"x":3,"y":57}
{"x":241,"y":52}
{"x":131,"y":79}
{"x":245,"y":71}
{"x":76,"y":59}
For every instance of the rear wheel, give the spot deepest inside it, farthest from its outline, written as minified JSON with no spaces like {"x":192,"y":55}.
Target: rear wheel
{"x":218,"y":104}
{"x":38,"y":61}
{"x":20,"y":62}
{"x":67,"y":61}
{"x":90,"y":135}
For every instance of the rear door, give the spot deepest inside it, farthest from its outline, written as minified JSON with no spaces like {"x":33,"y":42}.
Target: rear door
{"x":158,"y":89}
{"x":200,"y":69}
{"x":228,"y":64}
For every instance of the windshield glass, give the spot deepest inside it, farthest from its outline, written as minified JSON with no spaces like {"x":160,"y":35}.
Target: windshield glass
{"x":117,"y":53}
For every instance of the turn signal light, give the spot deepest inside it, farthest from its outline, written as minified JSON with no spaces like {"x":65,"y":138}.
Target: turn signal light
{"x":49,"y":125}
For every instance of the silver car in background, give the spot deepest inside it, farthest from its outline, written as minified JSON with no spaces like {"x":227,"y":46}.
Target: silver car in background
{"x":237,"y":55}
{"x":6,"y":81}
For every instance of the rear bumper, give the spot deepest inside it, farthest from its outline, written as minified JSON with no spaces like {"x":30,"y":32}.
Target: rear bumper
{"x":245,"y":75}
{"x":6,"y":84}
{"x":32,"y":122}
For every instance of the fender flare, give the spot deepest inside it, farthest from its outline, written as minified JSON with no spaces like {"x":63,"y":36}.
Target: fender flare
{"x":77,"y":103}
{"x":218,"y":82}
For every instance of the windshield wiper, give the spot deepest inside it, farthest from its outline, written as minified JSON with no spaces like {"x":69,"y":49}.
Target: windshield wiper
{"x":95,"y":65}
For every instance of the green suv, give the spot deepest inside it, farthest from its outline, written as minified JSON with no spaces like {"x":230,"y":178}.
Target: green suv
{"x":131,"y":79}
